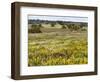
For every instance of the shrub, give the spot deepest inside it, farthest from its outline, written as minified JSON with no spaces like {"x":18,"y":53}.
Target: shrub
{"x":83,"y":29}
{"x":74,"y":27}
{"x":52,"y":24}
{"x":40,"y":25}
{"x":34,"y":29}
{"x":63,"y":27}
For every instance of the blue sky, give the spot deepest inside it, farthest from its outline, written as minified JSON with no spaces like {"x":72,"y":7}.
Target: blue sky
{"x":60,"y":18}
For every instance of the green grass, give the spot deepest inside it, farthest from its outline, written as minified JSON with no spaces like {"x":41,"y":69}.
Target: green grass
{"x":57,"y":48}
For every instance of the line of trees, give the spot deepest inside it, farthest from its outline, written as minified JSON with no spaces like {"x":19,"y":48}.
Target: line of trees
{"x":36,"y":27}
{"x":54,"y":22}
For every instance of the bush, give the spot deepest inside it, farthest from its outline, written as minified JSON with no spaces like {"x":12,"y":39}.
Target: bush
{"x":34,"y":29}
{"x":74,"y":27}
{"x":40,"y":25}
{"x":52,"y":24}
{"x":84,"y":29}
{"x":63,"y":27}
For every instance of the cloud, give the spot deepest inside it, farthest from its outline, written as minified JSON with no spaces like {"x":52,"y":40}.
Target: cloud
{"x":58,"y":18}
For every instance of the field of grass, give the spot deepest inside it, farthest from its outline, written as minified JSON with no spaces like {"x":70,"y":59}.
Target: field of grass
{"x":57,"y":48}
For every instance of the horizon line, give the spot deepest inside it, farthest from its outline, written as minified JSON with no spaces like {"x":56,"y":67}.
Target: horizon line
{"x":60,"y":18}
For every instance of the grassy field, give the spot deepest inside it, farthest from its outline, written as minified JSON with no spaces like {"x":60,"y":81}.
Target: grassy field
{"x":57,"y":48}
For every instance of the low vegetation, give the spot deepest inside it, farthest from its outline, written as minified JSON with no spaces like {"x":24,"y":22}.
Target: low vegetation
{"x":58,"y":46}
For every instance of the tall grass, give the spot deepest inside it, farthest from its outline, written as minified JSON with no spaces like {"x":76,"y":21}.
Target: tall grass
{"x":57,"y":49}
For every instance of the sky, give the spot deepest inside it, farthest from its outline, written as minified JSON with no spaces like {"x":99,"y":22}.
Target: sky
{"x":58,"y":18}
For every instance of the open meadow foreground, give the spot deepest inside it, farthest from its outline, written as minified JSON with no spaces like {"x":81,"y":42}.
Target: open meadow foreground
{"x":57,"y":42}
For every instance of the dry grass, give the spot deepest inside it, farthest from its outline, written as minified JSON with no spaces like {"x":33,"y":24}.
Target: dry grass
{"x":57,"y":48}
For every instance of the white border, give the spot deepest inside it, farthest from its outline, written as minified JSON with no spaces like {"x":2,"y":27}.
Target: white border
{"x":25,"y":70}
